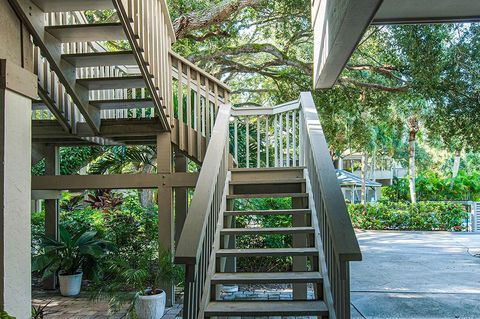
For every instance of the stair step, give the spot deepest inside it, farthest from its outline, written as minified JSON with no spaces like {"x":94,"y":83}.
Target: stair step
{"x":259,"y":252}
{"x":268,"y":231}
{"x":269,"y":181}
{"x":107,"y":83}
{"x":273,"y":195}
{"x":100,"y":59}
{"x":122,"y":104}
{"x":267,"y":169}
{"x":266,"y":212}
{"x":266,"y":278}
{"x":269,"y":308}
{"x":87,"y":32}
{"x":73,"y":5}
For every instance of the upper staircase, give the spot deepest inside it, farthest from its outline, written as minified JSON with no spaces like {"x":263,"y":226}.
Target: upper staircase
{"x":116,"y":82}
{"x":278,"y":153}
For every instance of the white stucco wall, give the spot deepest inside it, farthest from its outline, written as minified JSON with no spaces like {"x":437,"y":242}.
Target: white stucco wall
{"x":16,"y":277}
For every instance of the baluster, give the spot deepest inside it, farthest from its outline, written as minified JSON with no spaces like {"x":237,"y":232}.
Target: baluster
{"x":235,"y":139}
{"x":300,"y":141}
{"x":294,"y":137}
{"x":189,"y":101}
{"x":198,"y":116}
{"x":216,"y":101}
{"x":247,"y":141}
{"x":180,"y":92}
{"x":287,"y":128}
{"x":275,"y":139}
{"x":267,"y":140}
{"x":207,"y":108}
{"x":281,"y":140}
{"x":258,"y":142}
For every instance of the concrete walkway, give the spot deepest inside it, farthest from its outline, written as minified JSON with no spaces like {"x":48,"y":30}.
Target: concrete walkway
{"x":416,"y":275}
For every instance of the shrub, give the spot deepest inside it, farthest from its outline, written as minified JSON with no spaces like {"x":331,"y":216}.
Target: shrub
{"x":407,"y":216}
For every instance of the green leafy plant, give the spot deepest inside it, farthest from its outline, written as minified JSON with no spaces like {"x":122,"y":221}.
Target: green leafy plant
{"x":5,"y":315}
{"x":38,"y":312}
{"x":407,"y":216}
{"x":70,"y":202}
{"x":71,"y":253}
{"x":142,"y":274}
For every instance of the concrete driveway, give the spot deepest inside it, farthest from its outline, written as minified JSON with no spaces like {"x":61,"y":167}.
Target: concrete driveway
{"x":416,"y":275}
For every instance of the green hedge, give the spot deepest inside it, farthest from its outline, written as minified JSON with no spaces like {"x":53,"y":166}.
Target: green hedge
{"x":407,"y":216}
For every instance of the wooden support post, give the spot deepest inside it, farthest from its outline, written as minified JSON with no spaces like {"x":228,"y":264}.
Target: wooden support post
{"x":299,"y":240}
{"x":165,"y":200}
{"x":52,"y":208}
{"x":181,"y":196}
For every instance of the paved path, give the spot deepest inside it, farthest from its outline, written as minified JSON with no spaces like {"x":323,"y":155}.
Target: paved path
{"x":416,"y":275}
{"x":82,"y":307}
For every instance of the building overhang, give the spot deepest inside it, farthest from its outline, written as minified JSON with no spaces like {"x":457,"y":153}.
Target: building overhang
{"x":427,"y":11}
{"x":339,"y":25}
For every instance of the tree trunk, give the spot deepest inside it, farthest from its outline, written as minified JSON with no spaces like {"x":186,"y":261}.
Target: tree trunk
{"x":147,"y":199}
{"x":364,"y":177}
{"x":412,"y":139}
{"x":456,"y":165}
{"x":411,"y":161}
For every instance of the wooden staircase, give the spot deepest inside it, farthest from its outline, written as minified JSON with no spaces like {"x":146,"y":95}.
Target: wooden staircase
{"x":287,"y":160}
{"x":254,"y":183}
{"x":89,"y":94}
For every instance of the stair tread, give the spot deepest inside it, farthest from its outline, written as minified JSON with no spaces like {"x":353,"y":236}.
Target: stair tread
{"x":106,"y":83}
{"x":73,"y":5}
{"x":87,"y":32}
{"x":263,"y":169}
{"x":266,"y":212}
{"x":272,"y":195}
{"x":100,"y":58}
{"x":304,"y":251}
{"x":273,"y":230}
{"x":269,"y":181}
{"x":122,"y":103}
{"x":270,"y":308}
{"x":267,"y":277}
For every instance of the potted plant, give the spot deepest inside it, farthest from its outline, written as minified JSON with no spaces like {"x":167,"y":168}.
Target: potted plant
{"x":69,"y":256}
{"x":137,"y":281}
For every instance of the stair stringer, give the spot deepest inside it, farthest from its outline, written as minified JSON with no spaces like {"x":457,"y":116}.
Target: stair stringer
{"x":327,"y":294}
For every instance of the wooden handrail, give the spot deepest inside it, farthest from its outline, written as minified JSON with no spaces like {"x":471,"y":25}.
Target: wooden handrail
{"x":344,"y":240}
{"x":196,"y":245}
{"x":189,"y":245}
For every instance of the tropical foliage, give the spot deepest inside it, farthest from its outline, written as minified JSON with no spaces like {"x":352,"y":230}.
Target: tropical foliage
{"x":432,"y":186}
{"x":72,"y":253}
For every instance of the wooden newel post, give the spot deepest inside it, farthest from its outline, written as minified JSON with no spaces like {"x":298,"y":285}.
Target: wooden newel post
{"x":52,"y":209}
{"x":165,"y":201}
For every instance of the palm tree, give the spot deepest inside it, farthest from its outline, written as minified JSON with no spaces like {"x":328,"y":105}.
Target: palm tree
{"x":129,"y":159}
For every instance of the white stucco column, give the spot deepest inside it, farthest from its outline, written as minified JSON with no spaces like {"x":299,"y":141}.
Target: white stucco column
{"x":17,"y":88}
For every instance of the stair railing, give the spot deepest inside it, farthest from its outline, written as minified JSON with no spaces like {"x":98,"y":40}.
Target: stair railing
{"x":266,"y":136}
{"x":336,"y":237}
{"x":197,"y":98}
{"x":196,"y":245}
{"x":150,"y":31}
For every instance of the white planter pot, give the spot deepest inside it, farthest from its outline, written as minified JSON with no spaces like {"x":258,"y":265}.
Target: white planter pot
{"x":150,"y":307}
{"x":70,"y":285}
